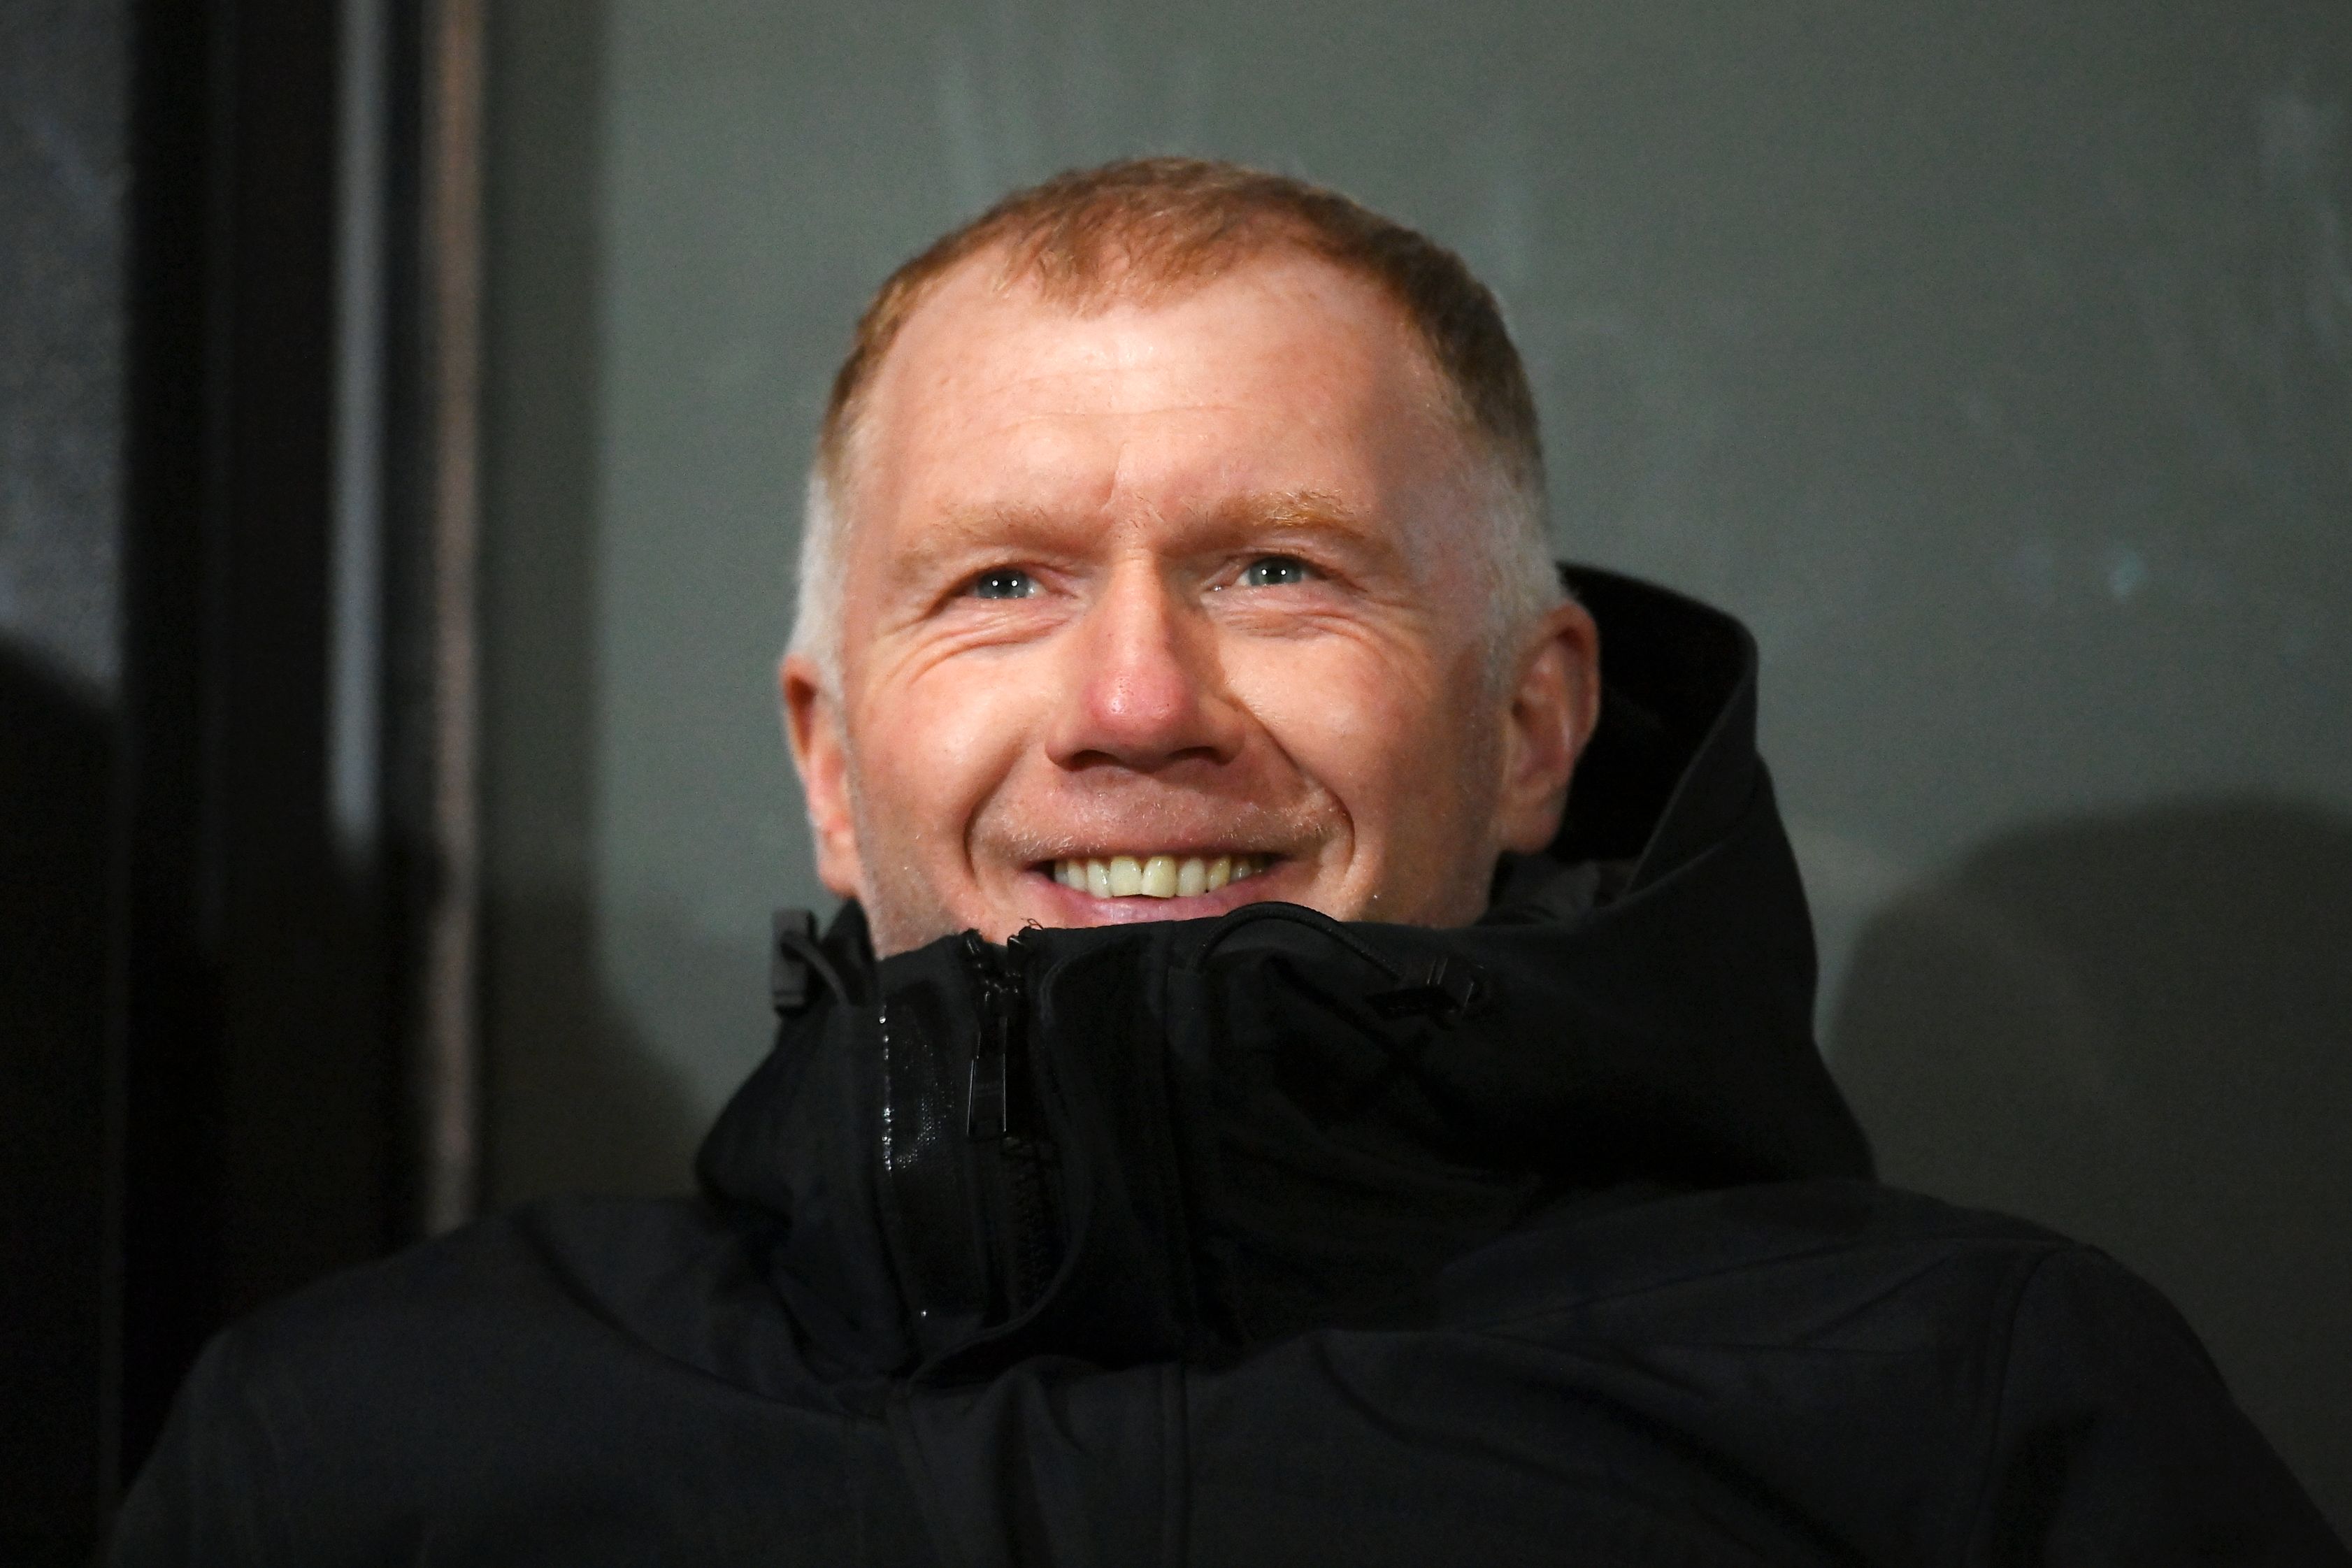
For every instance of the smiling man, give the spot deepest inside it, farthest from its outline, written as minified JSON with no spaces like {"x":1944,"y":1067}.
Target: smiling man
{"x":1177,"y":572}
{"x":1307,"y":1069}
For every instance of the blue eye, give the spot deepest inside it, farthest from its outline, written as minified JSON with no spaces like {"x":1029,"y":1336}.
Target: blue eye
{"x":1004,"y":583}
{"x":1275,"y":571}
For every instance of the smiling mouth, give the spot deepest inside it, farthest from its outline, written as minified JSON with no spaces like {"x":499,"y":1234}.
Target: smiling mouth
{"x":1155,"y":876}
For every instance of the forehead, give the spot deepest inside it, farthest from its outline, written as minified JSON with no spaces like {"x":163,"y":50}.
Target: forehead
{"x":1282,"y":360}
{"x":984,"y":303}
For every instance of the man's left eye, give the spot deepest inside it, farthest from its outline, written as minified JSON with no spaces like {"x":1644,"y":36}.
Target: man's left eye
{"x":1004,"y":583}
{"x":1276,"y":572}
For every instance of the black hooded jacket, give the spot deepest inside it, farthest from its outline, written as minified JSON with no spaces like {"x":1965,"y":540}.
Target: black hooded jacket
{"x":1268,"y":1239}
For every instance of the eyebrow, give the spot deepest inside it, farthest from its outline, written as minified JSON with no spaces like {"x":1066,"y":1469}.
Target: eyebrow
{"x":1306,"y":515}
{"x":1306,"y":511}
{"x":964,"y":530}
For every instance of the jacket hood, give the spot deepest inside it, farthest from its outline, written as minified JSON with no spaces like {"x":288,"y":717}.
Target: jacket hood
{"x":1182,"y":1139}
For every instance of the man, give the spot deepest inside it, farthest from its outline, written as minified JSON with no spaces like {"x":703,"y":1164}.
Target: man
{"x":1252,"y":1110}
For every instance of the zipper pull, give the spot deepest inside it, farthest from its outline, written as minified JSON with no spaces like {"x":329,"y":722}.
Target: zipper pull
{"x":1450,"y":987}
{"x":983,"y":1119}
{"x":987,"y":1090}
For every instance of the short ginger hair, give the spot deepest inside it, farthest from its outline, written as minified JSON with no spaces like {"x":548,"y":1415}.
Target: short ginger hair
{"x":1144,"y":227}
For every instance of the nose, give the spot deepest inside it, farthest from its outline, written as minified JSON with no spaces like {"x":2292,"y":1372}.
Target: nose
{"x":1145,"y":687}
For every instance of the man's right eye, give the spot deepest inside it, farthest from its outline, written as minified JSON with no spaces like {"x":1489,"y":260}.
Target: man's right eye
{"x":1004,"y":583}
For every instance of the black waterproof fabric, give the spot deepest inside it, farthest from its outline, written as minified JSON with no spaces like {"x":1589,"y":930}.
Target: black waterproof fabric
{"x":1269,"y":1241}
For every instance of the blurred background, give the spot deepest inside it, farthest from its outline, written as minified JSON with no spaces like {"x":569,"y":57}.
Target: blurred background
{"x":402,"y":416}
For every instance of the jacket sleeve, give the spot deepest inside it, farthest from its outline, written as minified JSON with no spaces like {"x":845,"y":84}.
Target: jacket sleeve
{"x":205,"y":1496}
{"x":2117,"y":1442}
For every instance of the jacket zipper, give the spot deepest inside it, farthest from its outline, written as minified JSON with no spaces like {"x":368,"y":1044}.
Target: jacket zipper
{"x":1002,"y":1123}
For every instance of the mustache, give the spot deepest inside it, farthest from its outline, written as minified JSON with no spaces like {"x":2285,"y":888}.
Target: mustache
{"x":1142,"y":816}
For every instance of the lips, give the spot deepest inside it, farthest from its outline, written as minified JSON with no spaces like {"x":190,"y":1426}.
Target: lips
{"x":1156,"y":876}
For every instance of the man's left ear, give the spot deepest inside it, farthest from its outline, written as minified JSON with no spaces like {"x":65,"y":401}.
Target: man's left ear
{"x":1554,"y":704}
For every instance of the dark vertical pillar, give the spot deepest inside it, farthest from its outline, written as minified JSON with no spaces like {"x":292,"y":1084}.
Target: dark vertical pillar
{"x":236,"y":536}
{"x":64,"y":68}
{"x":258,"y":1100}
{"x":163,"y":1157}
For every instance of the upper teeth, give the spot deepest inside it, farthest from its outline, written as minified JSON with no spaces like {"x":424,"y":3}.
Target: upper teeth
{"x":1156,"y":876}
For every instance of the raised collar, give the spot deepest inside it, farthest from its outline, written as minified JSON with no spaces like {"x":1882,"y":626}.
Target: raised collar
{"x":1183,"y":1138}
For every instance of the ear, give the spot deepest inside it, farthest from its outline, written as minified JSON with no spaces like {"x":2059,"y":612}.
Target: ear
{"x":1555,"y":703}
{"x":814,"y":730}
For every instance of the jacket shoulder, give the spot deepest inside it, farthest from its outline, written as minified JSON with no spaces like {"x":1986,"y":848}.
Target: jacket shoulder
{"x":1934,"y":1374}
{"x":571,"y":1264}
{"x":462,"y":1379}
{"x":1777,"y":1258}
{"x":2115,"y":1439}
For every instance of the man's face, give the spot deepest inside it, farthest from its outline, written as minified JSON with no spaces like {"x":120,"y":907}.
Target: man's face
{"x":1179,"y":601}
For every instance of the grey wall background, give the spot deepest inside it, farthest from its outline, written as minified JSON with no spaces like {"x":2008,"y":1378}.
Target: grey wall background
{"x":64,"y":91}
{"x":1993,"y":360}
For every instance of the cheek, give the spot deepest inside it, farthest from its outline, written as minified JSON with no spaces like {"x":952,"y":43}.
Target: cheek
{"x":1367,"y":722}
{"x":933,"y":745}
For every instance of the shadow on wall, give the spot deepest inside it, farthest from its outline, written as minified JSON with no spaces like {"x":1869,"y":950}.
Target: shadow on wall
{"x":2137,"y":1030}
{"x":578,"y":1101}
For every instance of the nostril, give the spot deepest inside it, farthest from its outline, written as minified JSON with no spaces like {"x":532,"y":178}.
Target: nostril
{"x":1146,"y":694}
